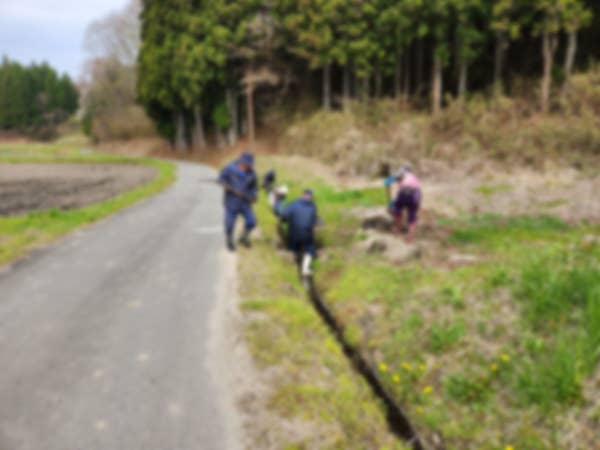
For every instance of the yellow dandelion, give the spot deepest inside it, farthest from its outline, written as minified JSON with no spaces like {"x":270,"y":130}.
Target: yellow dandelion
{"x":419,"y":410}
{"x":396,"y":378}
{"x":427,"y":389}
{"x":406,"y":366}
{"x":422,"y":367}
{"x":504,"y":357}
{"x":383,"y":367}
{"x":494,"y":367}
{"x":509,"y":447}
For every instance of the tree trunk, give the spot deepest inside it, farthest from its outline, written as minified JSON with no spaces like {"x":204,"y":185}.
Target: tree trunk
{"x":570,"y":57}
{"x":436,"y":85}
{"x":407,"y":68}
{"x":366,"y":88}
{"x":398,"y":77}
{"x":420,"y":64}
{"x":180,"y":140}
{"x":250,"y":105}
{"x":232,"y":106}
{"x":327,"y":87}
{"x":378,"y":83}
{"x":346,"y":87}
{"x":463,"y":78}
{"x":198,"y":139}
{"x":500,"y":52}
{"x":549,"y":44}
{"x":221,"y":137}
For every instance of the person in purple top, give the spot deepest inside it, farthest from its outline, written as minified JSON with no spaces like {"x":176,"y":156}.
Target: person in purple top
{"x":407,"y":199}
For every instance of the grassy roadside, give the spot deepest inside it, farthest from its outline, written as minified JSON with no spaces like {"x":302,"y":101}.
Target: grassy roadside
{"x":498,"y":353}
{"x":316,"y":401}
{"x":21,"y":234}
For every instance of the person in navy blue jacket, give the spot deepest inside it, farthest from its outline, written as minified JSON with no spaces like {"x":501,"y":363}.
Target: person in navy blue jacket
{"x":301,"y":218}
{"x":240,"y":185}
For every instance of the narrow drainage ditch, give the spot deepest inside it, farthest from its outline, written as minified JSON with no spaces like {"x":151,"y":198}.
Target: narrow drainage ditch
{"x":397,"y":420}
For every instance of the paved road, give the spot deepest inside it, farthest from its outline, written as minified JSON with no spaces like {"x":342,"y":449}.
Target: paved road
{"x":105,"y":337}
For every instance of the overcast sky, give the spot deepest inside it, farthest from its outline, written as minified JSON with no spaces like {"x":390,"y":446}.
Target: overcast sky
{"x":50,"y":30}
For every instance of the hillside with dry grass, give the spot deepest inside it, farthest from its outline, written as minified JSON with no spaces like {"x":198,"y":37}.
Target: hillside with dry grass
{"x":485,"y":130}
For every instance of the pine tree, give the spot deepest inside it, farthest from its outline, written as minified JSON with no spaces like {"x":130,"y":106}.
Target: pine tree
{"x":156,"y":66}
{"x":310,"y":29}
{"x":396,"y":32}
{"x":469,"y":37}
{"x":508,"y":19}
{"x":34,"y":98}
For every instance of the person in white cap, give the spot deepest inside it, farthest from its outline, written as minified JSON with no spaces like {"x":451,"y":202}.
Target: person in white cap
{"x":277,"y":199}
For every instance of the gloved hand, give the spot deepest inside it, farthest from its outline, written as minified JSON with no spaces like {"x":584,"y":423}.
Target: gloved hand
{"x":390,"y":180}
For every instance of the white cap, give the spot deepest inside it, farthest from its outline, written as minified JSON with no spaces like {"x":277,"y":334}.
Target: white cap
{"x":282,"y":190}
{"x":403,"y":171}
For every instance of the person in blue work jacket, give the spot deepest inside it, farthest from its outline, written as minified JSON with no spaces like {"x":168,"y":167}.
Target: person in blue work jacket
{"x":240,"y":185}
{"x":301,"y":218}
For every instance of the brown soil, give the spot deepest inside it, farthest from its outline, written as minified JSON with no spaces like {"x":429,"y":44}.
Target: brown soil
{"x":565,"y":193}
{"x":34,"y":187}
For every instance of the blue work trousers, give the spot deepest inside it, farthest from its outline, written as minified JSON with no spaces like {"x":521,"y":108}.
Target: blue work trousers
{"x":303,"y":244}
{"x":231,"y":214}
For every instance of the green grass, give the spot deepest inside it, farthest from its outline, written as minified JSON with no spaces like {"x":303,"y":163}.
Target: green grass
{"x":20,"y":234}
{"x":489,"y":190}
{"x":493,"y":229}
{"x":492,"y":354}
{"x":560,"y":295}
{"x":314,"y":382}
{"x":555,"y":286}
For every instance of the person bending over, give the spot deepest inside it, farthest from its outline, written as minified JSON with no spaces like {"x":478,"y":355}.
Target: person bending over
{"x":408,"y":199}
{"x":301,"y":218}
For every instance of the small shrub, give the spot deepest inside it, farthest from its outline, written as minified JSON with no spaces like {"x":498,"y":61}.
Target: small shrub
{"x":467,"y":389}
{"x":453,"y":296}
{"x":499,"y":277}
{"x":444,"y":337}
{"x":126,"y":123}
{"x":221,"y":116}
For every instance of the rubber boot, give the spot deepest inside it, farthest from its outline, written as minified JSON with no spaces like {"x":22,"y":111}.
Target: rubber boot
{"x":245,"y":239}
{"x":230,"y":242}
{"x":306,"y":265}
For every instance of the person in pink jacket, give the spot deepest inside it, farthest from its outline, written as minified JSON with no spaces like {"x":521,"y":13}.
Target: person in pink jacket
{"x":408,"y":199}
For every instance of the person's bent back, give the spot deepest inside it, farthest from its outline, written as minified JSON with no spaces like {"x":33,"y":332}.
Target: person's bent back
{"x":301,"y":217}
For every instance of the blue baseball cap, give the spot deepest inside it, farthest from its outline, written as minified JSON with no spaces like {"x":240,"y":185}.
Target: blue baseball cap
{"x":247,"y":158}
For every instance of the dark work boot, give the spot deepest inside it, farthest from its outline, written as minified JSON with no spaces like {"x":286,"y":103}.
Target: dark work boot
{"x":245,"y":239}
{"x":230,"y":243}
